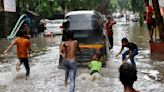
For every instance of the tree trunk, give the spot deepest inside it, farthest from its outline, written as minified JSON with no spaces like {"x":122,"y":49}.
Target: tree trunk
{"x":103,"y":6}
{"x":159,"y":19}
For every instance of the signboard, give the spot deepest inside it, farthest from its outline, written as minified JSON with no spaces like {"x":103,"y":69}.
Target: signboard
{"x":9,"y":5}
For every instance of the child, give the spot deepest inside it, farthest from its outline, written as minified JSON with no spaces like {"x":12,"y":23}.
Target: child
{"x":128,"y":74}
{"x":131,"y":52}
{"x":109,"y":30}
{"x":151,"y":25}
{"x":23,"y":47}
{"x":95,"y":65}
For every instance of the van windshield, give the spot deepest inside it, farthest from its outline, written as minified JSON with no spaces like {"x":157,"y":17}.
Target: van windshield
{"x":82,"y":22}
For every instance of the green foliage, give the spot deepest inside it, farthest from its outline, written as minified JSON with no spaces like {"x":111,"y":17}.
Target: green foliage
{"x":45,"y":8}
{"x":78,"y":4}
{"x":112,"y":6}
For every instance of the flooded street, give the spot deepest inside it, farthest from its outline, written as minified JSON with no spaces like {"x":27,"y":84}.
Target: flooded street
{"x":46,"y":77}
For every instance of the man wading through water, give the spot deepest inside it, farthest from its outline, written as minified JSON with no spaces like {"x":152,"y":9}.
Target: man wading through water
{"x":68,"y":50}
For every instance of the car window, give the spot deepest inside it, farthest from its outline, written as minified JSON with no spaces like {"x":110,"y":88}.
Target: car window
{"x":57,"y":21}
{"x":86,"y":27}
{"x":80,"y":22}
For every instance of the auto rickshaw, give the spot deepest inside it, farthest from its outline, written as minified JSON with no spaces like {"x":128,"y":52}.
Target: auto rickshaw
{"x":87,"y":27}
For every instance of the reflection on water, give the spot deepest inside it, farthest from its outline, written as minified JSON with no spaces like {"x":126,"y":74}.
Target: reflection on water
{"x":46,"y":77}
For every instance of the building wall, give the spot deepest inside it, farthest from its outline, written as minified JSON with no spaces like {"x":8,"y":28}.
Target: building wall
{"x":7,"y":22}
{"x":1,"y":5}
{"x":7,"y":18}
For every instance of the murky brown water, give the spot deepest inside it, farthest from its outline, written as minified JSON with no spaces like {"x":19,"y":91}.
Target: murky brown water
{"x":46,"y":77}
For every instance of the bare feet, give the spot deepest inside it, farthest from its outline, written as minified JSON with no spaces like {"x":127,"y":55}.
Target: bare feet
{"x":66,"y":83}
{"x":94,"y":78}
{"x":17,"y":67}
{"x":30,"y":63}
{"x":27,"y":77}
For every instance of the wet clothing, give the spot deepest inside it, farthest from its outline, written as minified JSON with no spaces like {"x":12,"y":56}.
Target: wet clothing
{"x":26,"y":64}
{"x":132,"y":47}
{"x":149,"y":13}
{"x":23,"y":46}
{"x":150,"y":21}
{"x":110,"y":41}
{"x":94,"y":71}
{"x":95,"y":66}
{"x":109,"y":30}
{"x":134,"y":53}
{"x":152,"y":24}
{"x":70,"y":71}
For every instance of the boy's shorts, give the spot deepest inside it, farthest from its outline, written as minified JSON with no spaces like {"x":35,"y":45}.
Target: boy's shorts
{"x":151,"y":24}
{"x":23,"y":60}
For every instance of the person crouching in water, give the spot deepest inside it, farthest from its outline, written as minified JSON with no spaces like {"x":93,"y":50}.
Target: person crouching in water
{"x":95,"y":65}
{"x":131,"y":52}
{"x":128,"y":75}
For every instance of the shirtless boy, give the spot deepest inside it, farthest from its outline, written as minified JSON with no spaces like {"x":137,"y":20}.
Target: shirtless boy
{"x":68,"y":50}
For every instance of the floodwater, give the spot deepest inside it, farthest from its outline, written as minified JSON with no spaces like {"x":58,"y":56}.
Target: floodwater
{"x":46,"y":77}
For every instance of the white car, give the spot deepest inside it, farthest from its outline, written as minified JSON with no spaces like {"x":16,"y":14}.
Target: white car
{"x":54,"y":26}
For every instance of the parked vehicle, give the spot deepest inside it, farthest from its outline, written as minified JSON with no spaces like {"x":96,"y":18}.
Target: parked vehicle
{"x":54,"y":27}
{"x":133,"y":18}
{"x":87,"y":27}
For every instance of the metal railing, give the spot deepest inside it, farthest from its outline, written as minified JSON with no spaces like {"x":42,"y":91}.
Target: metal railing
{"x":16,"y":27}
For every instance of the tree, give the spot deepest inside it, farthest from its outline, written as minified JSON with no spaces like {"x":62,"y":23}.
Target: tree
{"x":44,"y":8}
{"x":159,"y":19}
{"x":112,"y":6}
{"x":124,"y":4}
{"x":138,"y":6}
